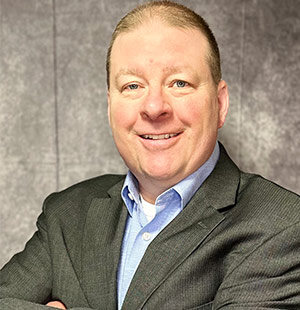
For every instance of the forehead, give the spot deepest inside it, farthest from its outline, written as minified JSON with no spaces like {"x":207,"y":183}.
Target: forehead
{"x":155,"y":42}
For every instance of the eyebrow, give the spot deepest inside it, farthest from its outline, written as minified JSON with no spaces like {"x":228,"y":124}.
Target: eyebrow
{"x":167,"y":70}
{"x":175,"y":69}
{"x":128,"y":72}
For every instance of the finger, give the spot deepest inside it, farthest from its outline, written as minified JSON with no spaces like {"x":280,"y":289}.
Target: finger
{"x":56,"y":304}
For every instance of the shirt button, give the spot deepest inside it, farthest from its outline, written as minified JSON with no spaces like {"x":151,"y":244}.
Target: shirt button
{"x":146,"y":236}
{"x":130,"y":196}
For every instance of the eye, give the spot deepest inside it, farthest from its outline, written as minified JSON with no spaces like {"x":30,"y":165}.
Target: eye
{"x":132,"y":86}
{"x":180,"y":84}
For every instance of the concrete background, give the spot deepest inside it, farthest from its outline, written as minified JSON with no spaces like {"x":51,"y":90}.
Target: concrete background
{"x":53,"y":126}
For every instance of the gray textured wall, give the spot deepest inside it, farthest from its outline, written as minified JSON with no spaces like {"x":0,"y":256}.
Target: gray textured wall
{"x":53,"y":126}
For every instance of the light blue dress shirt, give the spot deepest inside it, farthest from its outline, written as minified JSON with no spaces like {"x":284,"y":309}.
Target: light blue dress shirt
{"x":139,"y":232}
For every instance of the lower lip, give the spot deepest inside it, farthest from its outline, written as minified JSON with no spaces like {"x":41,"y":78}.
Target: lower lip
{"x":160,"y":144}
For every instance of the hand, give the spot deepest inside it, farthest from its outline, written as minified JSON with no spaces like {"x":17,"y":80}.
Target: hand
{"x":56,"y":304}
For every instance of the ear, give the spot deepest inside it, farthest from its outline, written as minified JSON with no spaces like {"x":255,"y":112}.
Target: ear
{"x":223,"y":101}
{"x":108,"y":106}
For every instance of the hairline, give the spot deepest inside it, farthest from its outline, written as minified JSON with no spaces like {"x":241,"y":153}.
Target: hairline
{"x":212,"y":55}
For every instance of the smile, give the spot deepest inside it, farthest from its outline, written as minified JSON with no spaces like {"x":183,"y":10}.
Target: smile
{"x":160,"y":137}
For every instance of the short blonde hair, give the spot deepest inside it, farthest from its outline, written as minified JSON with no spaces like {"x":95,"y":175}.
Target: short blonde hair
{"x":175,"y":15}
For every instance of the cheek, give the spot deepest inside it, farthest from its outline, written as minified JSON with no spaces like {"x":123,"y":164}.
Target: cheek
{"x":189,"y":112}
{"x":198,"y":114}
{"x":121,"y":117}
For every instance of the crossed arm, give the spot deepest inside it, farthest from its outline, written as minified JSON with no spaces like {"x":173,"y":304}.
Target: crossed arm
{"x":239,"y":291}
{"x":26,"y":282}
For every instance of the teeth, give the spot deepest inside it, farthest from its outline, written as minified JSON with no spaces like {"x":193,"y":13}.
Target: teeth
{"x":159,"y":137}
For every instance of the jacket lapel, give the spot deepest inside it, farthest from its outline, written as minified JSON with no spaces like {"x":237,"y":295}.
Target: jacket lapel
{"x":101,"y":248}
{"x":185,"y":233}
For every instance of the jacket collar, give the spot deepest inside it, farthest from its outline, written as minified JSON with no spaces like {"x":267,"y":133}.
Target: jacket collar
{"x":101,"y":247}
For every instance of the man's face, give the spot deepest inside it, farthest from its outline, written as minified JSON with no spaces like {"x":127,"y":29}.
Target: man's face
{"x":164,"y":109}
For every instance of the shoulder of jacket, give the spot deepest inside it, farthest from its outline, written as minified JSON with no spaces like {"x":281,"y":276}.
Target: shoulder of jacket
{"x":268,"y":198}
{"x":80,"y":194}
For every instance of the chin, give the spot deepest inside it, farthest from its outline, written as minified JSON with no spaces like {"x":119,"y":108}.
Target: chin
{"x":167,"y":176}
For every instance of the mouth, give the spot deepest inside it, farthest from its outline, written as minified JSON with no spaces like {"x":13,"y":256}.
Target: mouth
{"x":160,"y":137}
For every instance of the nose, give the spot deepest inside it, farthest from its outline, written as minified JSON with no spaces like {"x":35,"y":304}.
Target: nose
{"x":156,"y":106}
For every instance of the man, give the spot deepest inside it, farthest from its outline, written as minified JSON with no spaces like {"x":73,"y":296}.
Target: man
{"x":186,"y":229}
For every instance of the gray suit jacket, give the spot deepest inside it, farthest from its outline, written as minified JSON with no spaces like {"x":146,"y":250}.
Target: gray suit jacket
{"x":236,"y":245}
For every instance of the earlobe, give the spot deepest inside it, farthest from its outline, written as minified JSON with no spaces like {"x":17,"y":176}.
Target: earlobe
{"x":223,"y":101}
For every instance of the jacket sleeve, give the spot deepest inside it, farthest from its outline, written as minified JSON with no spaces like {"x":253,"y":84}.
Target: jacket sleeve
{"x":28,"y":274}
{"x":267,"y":278}
{"x":18,"y":304}
{"x":26,"y":280}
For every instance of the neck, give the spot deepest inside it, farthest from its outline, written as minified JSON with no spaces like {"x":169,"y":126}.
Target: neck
{"x":150,"y":196}
{"x":151,"y":189}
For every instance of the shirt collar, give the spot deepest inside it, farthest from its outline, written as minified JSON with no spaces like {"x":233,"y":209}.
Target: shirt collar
{"x":186,"y":188}
{"x":130,"y":192}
